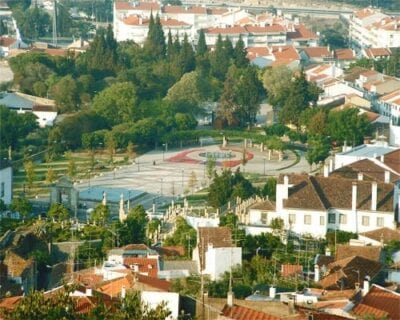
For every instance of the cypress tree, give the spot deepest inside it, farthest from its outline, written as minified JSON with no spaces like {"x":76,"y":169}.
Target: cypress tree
{"x":228,"y":47}
{"x":240,"y":54}
{"x":187,"y":56}
{"x":219,"y":60}
{"x":170,"y":45}
{"x":155,"y":42}
{"x":201,"y":44}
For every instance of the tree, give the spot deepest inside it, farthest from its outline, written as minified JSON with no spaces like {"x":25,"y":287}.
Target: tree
{"x":318,"y":149}
{"x":100,"y":215}
{"x":348,"y":125}
{"x":66,"y":94}
{"x":184,"y":235}
{"x":154,"y":45}
{"x":240,"y":54}
{"x":133,"y":229}
{"x":21,"y":205}
{"x":186,"y":56}
{"x":129,"y":150}
{"x":219,"y":60}
{"x":58,"y":212}
{"x":210,"y":167}
{"x":269,"y":189}
{"x":51,"y":176}
{"x":30,"y":175}
{"x":116,"y":103}
{"x":201,"y":44}
{"x":276,"y":81}
{"x":192,"y":181}
{"x":71,"y":168}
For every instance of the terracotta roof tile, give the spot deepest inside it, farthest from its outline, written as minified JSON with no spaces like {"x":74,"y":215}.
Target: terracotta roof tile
{"x":364,"y":13}
{"x":379,"y":301}
{"x":370,"y":170}
{"x":392,"y":160}
{"x":242,"y":313}
{"x":217,"y":11}
{"x":227,"y":30}
{"x":384,"y":234}
{"x":317,"y":52}
{"x":218,"y":237}
{"x":146,"y":266}
{"x":156,"y":283}
{"x":136,"y":246}
{"x":144,"y":6}
{"x":276,"y":28}
{"x":173,"y":23}
{"x":301,"y":33}
{"x":344,"y":251}
{"x":288,"y":270}
{"x":170,"y":251}
{"x":7,"y":41}
{"x":10,"y":303}
{"x":135,"y":20}
{"x":345,"y":273}
{"x":265,"y":205}
{"x":344,"y":54}
{"x":377,"y":52}
{"x":113,"y":287}
{"x":185,"y":10}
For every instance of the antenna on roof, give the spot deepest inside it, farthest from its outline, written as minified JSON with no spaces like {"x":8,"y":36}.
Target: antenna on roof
{"x":55,"y":23}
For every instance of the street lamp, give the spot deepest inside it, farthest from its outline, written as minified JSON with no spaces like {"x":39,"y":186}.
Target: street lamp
{"x":161,"y":191}
{"x":264,"y":164}
{"x":115,"y":170}
{"x":163,"y":151}
{"x":89,"y":178}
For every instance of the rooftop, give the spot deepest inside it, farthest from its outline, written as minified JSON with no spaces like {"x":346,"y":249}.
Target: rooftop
{"x":95,"y":193}
{"x":384,"y":234}
{"x":344,"y":251}
{"x":368,"y":151}
{"x":242,"y":313}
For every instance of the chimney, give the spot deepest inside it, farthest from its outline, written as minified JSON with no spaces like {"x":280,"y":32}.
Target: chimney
{"x":88,"y":292}
{"x":357,"y":286}
{"x":230,"y":298}
{"x":282,"y":193}
{"x":272,"y":292}
{"x":326,"y":171}
{"x":374,"y":195}
{"x":140,"y":21}
{"x":360,"y":176}
{"x":387,"y":176}
{"x":316,"y":273}
{"x":354,"y":197}
{"x":365,"y":289}
{"x":382,"y":158}
{"x":123,"y":292}
{"x":330,"y":165}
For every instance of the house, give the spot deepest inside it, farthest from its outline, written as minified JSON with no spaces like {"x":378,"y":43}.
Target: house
{"x":235,"y":312}
{"x":215,"y":252}
{"x":313,"y":55}
{"x":376,"y":53}
{"x":291,"y":270}
{"x":344,"y":57}
{"x":370,"y":28}
{"x":379,"y":237}
{"x":273,"y":56}
{"x":6,"y":178}
{"x":9,"y":44}
{"x":379,"y":303}
{"x":300,"y":36}
{"x":175,"y":269}
{"x":348,"y":273}
{"x":143,"y":266}
{"x":316,"y":204}
{"x":136,"y":250}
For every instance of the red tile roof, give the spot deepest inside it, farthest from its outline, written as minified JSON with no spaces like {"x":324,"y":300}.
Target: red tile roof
{"x":364,"y":13}
{"x":379,"y":302}
{"x":288,"y":270}
{"x":173,"y":23}
{"x":10,"y":303}
{"x":156,"y":283}
{"x":276,"y":28}
{"x":146,"y":266}
{"x":114,"y":287}
{"x":317,"y":52}
{"x":301,"y":33}
{"x":7,"y":41}
{"x":136,"y":246}
{"x":185,"y":10}
{"x":344,"y":54}
{"x":227,"y":30}
{"x":377,"y":52}
{"x":384,"y":234}
{"x":344,"y":251}
{"x":320,"y":193}
{"x":135,"y":20}
{"x":347,"y":272}
{"x":392,"y":160}
{"x":144,"y":6}
{"x":243,"y":313}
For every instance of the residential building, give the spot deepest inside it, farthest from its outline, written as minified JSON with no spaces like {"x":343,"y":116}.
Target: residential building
{"x":389,"y":105}
{"x":8,"y":45}
{"x":369,"y":27}
{"x":276,"y":55}
{"x":379,"y":237}
{"x":215,"y":252}
{"x":344,"y":57}
{"x":380,"y":303}
{"x":313,"y":55}
{"x":344,"y":251}
{"x":376,"y":53}
{"x":315,"y":204}
{"x":6,"y":178}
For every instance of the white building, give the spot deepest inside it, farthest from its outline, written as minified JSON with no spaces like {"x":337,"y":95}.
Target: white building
{"x":6,"y":177}
{"x":389,"y":105}
{"x":371,"y":28}
{"x":215,"y":253}
{"x":315,"y":204}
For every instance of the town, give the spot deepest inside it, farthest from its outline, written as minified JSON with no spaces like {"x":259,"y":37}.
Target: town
{"x":199,"y":160}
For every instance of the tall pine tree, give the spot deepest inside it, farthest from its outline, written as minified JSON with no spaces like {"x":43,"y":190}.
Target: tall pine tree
{"x":187,"y":56}
{"x":154,"y":45}
{"x":219,"y":60}
{"x":201,"y":44}
{"x":240,"y":54}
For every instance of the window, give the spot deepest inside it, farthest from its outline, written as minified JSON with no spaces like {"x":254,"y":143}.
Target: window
{"x":379,"y":222}
{"x":292,"y":218}
{"x":264,"y":217}
{"x":307,"y":219}
{"x":331,"y":218}
{"x":342,"y":219}
{"x":365,"y":221}
{"x":2,"y":190}
{"x":322,"y":220}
